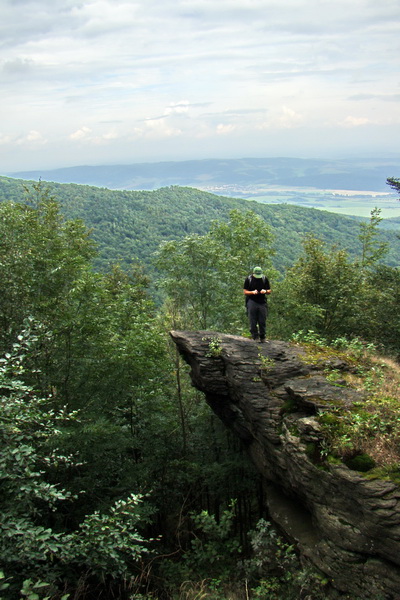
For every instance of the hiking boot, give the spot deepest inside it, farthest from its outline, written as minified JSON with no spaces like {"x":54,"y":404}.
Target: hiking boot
{"x":262,"y":340}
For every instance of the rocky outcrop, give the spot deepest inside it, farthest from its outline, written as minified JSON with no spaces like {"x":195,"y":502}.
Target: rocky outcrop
{"x":346,"y":525}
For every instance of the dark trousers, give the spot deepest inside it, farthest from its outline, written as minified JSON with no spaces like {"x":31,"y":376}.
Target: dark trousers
{"x":257,"y":314}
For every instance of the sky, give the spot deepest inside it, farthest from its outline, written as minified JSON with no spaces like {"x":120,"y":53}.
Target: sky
{"x":92,"y":82}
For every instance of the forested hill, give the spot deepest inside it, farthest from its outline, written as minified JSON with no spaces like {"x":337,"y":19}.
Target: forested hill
{"x":130,"y":225}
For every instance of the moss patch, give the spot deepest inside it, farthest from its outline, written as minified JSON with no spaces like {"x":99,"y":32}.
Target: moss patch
{"x":361,"y":462}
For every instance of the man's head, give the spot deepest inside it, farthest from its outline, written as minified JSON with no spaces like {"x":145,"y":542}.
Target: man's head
{"x":257,"y":272}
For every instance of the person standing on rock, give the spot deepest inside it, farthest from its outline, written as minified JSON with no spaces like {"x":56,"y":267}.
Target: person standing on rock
{"x":256,"y":289}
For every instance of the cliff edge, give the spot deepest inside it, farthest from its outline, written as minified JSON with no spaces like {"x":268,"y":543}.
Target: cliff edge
{"x":346,"y":525}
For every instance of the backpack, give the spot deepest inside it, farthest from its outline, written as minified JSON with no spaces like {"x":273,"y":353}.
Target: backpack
{"x":264,"y":280}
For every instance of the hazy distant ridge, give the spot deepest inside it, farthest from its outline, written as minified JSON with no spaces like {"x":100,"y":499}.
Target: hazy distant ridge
{"x":362,"y":174}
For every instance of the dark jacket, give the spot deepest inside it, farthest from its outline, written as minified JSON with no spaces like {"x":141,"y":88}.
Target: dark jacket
{"x":252,"y":283}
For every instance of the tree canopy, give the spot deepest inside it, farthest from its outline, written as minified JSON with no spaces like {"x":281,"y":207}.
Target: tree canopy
{"x":116,"y":479}
{"x":394,"y":183}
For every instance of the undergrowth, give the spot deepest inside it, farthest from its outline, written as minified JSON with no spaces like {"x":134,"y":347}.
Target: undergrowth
{"x":366,"y":435}
{"x":213,"y":567}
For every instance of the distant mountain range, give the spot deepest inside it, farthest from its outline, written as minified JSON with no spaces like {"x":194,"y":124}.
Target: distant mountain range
{"x":218,"y":175}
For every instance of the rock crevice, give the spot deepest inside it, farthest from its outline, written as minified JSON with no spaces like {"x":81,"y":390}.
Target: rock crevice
{"x":343,"y":523}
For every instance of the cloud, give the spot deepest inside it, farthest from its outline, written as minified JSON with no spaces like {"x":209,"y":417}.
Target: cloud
{"x":32,"y":139}
{"x":225,"y":129}
{"x":158,"y":129}
{"x":18,"y":66}
{"x":5,"y":139}
{"x":87,"y":136}
{"x":178,"y":108}
{"x":379,"y":97}
{"x":289,"y":118}
{"x":116,"y":71}
{"x":101,"y":17}
{"x":81,"y":134}
{"x":355,"y":122}
{"x":286,"y":118}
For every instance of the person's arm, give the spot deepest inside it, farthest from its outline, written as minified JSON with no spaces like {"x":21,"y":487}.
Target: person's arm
{"x":267,"y":289}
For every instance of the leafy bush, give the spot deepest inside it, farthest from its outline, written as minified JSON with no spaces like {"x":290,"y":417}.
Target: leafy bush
{"x":213,"y":551}
{"x":31,"y":550}
{"x":275,"y":571}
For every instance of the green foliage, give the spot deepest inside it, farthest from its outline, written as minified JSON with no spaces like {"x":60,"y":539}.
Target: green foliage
{"x":309,"y":337}
{"x":130,"y":225}
{"x":366,"y":434}
{"x":327,"y":293}
{"x":103,"y":352}
{"x":355,"y":346}
{"x":213,"y":546}
{"x":394,"y":183}
{"x":274,"y":570}
{"x":27,"y":424}
{"x":214,"y":345}
{"x":245,"y":241}
{"x":95,"y":404}
{"x":361,"y":431}
{"x":372,"y":249}
{"x":327,"y":281}
{"x":42,"y":255}
{"x":379,"y":318}
{"x":106,"y":544}
{"x":360,"y":462}
{"x":192,"y":277}
{"x":216,"y":570}
{"x":212,"y":554}
{"x":266,"y":363}
{"x":203,"y":275}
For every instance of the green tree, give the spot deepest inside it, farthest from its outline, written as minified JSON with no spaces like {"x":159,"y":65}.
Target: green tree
{"x":325,"y":285}
{"x":101,"y":349}
{"x":203,"y":275}
{"x":31,"y":547}
{"x":247,"y":241}
{"x":394,"y":183}
{"x":42,"y":256}
{"x":192,"y":277}
{"x":379,"y":318}
{"x":372,"y":249}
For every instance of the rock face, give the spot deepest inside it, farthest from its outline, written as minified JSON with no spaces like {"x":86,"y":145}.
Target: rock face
{"x":344,"y":524}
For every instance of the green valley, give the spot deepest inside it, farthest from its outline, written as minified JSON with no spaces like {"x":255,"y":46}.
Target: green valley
{"x":129,"y":225}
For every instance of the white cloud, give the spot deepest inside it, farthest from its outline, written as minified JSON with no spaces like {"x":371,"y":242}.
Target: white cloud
{"x":225,"y":129}
{"x":81,"y":134}
{"x":355,"y":122}
{"x":158,"y":129}
{"x":5,"y":139}
{"x":35,"y":136}
{"x":33,"y":139}
{"x":110,"y":135}
{"x":17,"y":66}
{"x":87,"y":136}
{"x":285,"y":118}
{"x":196,"y":69}
{"x":178,"y":108}
{"x":289,"y":118}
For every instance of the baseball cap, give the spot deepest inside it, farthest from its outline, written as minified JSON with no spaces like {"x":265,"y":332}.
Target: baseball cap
{"x":257,"y":272}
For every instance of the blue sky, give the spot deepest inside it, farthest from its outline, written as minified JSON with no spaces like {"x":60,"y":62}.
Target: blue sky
{"x":119,"y":81}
